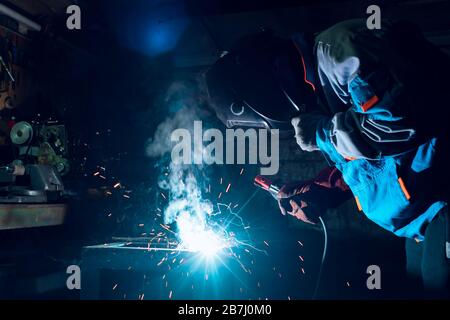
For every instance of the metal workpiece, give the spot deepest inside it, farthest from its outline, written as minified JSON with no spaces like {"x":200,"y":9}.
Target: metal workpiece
{"x":136,"y":269}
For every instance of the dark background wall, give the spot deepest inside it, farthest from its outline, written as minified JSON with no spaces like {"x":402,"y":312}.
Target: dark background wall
{"x":109,"y":82}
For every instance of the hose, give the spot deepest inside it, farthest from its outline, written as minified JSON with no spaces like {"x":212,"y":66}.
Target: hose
{"x":266,"y":184}
{"x":324,"y":254}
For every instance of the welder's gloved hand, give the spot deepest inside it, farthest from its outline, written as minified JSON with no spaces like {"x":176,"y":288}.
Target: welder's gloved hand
{"x":308,"y":200}
{"x":301,"y":200}
{"x":305,"y":127}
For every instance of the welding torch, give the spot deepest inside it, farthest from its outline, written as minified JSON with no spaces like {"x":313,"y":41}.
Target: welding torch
{"x":266,"y":184}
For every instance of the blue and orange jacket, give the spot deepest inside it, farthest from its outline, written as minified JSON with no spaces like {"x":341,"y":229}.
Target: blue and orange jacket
{"x":387,"y":128}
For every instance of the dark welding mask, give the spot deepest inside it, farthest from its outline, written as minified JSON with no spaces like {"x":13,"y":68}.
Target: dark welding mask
{"x":262,"y":82}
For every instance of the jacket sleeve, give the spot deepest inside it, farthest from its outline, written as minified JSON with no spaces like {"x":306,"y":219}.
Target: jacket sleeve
{"x":378,"y":117}
{"x":375,"y":124}
{"x":328,"y":188}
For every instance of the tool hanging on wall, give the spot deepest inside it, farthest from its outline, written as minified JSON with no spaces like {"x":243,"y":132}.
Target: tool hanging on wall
{"x":8,"y":72}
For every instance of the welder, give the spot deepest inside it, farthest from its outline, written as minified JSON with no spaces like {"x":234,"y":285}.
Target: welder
{"x":376,"y":104}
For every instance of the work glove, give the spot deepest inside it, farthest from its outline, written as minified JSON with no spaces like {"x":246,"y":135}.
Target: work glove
{"x":301,"y":200}
{"x":305,"y":126}
{"x":308,"y":200}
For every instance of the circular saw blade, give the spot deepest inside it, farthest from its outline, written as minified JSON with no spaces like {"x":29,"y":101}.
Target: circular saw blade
{"x":21,"y":133}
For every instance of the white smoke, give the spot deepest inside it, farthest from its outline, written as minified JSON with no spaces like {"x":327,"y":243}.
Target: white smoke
{"x":160,"y":144}
{"x":186,"y":205}
{"x":180,"y":181}
{"x":185,"y":195}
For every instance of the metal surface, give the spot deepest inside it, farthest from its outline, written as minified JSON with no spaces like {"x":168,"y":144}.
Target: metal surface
{"x":21,"y":191}
{"x":24,"y":199}
{"x":17,"y":194}
{"x":133,"y":270}
{"x":45,"y":178}
{"x":45,"y":185}
{"x":16,"y":216}
{"x":140,"y":243}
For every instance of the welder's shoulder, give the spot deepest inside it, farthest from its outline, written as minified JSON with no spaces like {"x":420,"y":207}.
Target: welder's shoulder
{"x":338,"y":41}
{"x":354,"y":33}
{"x":343,"y":30}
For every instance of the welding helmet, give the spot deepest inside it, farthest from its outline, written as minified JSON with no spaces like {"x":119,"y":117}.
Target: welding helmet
{"x":262,"y":82}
